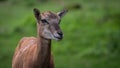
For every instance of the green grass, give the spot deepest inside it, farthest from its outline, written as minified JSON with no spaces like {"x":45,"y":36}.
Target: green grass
{"x":88,"y":42}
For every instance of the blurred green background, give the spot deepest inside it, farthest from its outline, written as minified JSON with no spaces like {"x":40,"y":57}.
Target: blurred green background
{"x":91,"y":31}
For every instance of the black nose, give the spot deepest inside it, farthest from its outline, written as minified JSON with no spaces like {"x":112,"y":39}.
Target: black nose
{"x":60,"y":33}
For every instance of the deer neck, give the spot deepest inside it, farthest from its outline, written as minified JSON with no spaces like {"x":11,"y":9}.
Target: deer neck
{"x":43,"y":50}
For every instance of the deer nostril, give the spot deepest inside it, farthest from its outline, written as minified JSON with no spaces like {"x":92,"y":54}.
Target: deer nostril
{"x":60,"y":33}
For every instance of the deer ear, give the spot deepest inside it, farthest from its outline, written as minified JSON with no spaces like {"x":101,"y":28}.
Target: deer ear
{"x":62,"y":13}
{"x":37,"y":14}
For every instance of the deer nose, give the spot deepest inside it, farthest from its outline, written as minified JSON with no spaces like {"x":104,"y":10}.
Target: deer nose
{"x":60,"y":33}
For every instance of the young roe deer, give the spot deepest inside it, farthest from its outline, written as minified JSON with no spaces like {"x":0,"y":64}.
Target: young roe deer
{"x":34,"y":52}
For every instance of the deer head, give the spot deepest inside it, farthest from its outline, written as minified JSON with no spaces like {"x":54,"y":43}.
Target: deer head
{"x":48,"y":24}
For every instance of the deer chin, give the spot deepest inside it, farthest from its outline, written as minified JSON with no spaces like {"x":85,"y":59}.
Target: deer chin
{"x":58,"y":38}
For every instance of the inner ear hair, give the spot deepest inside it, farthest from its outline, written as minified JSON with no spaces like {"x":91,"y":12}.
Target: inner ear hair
{"x":37,"y":14}
{"x":62,"y":13}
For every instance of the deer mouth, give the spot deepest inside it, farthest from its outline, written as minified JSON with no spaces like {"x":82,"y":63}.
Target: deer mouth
{"x":58,"y":37}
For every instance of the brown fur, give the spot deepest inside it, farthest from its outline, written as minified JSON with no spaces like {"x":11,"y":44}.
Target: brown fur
{"x":34,"y":52}
{"x":26,"y":57}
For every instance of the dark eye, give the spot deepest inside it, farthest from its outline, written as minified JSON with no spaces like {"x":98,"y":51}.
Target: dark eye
{"x":44,"y":21}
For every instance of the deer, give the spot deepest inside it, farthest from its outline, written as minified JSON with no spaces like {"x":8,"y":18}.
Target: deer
{"x":35,"y":52}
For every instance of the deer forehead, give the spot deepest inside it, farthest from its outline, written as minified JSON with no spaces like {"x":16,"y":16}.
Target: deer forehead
{"x":50,"y":16}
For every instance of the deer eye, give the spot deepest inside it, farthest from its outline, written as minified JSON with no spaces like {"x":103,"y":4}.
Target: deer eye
{"x":44,"y":21}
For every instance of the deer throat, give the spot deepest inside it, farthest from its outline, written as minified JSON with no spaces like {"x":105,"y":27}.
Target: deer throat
{"x":43,"y":52}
